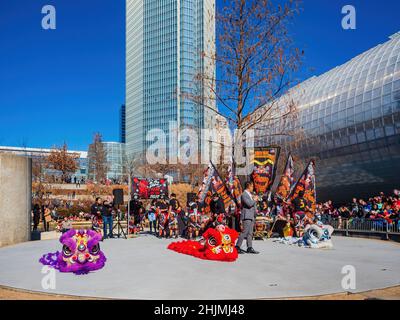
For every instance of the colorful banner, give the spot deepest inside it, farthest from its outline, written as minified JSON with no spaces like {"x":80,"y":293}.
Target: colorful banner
{"x":205,"y":185}
{"x":218,"y":186}
{"x":212,"y":182}
{"x":287,"y":180}
{"x":149,"y":188}
{"x":264,"y":161}
{"x":233,"y":184}
{"x":307,"y":184}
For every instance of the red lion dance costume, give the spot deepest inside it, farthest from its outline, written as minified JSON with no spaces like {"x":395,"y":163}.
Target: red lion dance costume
{"x":218,"y":244}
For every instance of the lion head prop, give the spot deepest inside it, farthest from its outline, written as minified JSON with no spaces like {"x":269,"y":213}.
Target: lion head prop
{"x":80,"y":253}
{"x":318,"y":236}
{"x":217,"y":244}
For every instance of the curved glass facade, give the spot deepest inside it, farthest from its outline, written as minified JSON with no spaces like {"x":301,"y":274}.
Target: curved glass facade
{"x":349,"y":120}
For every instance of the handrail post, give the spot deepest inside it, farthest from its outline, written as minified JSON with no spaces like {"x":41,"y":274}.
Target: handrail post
{"x":387,"y":230}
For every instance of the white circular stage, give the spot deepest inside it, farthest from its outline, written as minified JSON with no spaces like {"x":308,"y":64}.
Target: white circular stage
{"x":143,"y":268}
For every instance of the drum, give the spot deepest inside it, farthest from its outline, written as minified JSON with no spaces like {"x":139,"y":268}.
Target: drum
{"x":260,"y":227}
{"x":260,"y":224}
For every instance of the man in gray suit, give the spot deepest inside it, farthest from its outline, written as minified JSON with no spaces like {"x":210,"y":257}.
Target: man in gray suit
{"x":247,"y":218}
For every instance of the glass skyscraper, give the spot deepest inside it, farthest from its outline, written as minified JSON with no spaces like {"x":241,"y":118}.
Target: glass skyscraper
{"x":349,"y":121}
{"x":165,"y":40}
{"x":115,"y":160}
{"x":122,"y":124}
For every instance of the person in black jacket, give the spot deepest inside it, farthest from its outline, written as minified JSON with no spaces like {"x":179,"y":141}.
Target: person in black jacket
{"x":107,"y":219}
{"x":36,"y":216}
{"x":95,"y":211}
{"x":218,"y":212}
{"x":217,"y":206}
{"x":162,"y":217}
{"x":97,"y":207}
{"x":344,"y":212}
{"x":135,"y":208}
{"x":175,"y":207}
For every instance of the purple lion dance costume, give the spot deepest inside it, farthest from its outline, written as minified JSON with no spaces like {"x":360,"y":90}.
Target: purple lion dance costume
{"x":80,"y":253}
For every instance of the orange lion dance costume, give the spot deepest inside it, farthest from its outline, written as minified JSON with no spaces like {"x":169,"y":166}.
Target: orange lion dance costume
{"x":218,"y":245}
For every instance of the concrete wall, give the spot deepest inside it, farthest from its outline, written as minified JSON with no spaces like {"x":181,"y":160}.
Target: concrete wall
{"x":15,"y":199}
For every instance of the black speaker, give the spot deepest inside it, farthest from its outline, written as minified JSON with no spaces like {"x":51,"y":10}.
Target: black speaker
{"x":191,"y":197}
{"x":279,"y":226}
{"x":118,"y":196}
{"x":35,"y":235}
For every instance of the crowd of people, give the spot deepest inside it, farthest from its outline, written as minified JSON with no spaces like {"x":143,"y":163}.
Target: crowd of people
{"x":104,"y":210}
{"x":54,"y":211}
{"x":79,"y":181}
{"x":384,"y":209}
{"x":67,"y":179}
{"x":167,"y":218}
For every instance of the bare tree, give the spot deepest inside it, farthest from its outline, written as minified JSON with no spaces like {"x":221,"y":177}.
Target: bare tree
{"x":188,"y":172}
{"x":39,"y":165}
{"x":97,"y":165}
{"x":41,"y":187}
{"x":255,"y":62}
{"x":135,"y":165}
{"x":62,"y":160}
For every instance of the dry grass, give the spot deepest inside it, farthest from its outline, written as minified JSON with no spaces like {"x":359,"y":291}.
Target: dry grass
{"x":181,"y":190}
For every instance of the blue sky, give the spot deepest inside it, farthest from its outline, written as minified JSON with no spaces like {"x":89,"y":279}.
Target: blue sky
{"x":66,"y":84}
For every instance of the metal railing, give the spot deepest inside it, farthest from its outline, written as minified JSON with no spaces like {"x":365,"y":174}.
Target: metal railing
{"x":366,"y":226}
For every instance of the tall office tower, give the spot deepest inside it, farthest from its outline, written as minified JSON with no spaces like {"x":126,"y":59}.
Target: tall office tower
{"x":122,"y":124}
{"x":165,"y":40}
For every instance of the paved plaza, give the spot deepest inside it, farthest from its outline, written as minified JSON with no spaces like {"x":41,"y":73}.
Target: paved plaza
{"x":142,"y":268}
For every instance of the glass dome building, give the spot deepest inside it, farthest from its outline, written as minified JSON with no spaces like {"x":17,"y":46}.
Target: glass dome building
{"x":348,"y":119}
